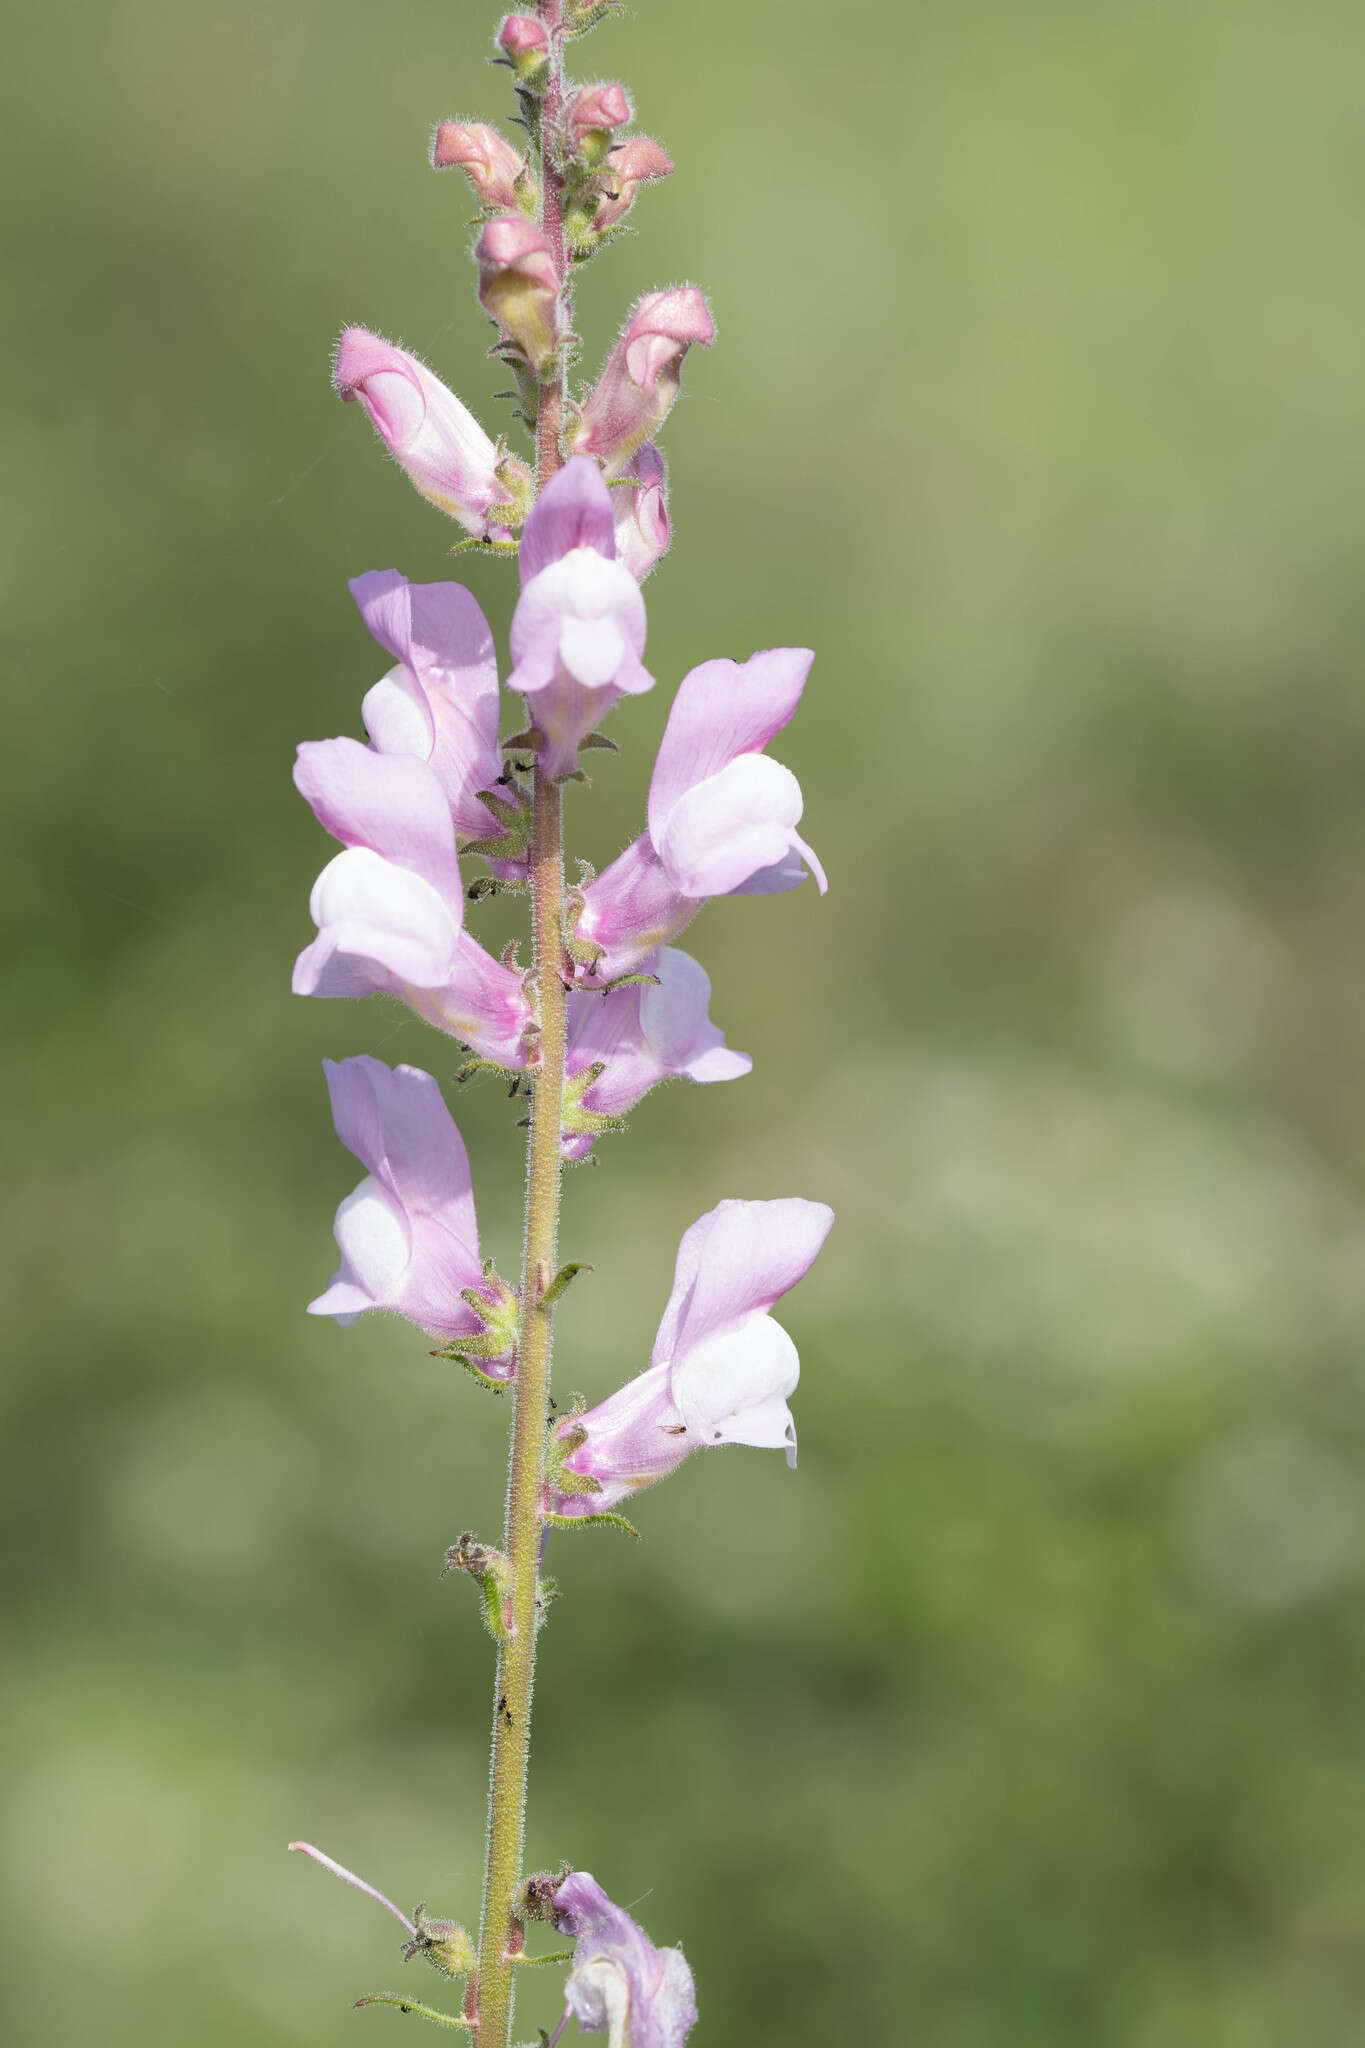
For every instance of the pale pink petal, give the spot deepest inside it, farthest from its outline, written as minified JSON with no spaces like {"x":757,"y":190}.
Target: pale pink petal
{"x":396,"y":1120}
{"x":445,"y":707}
{"x":739,"y":1258}
{"x":573,"y":511}
{"x":724,"y":709}
{"x":390,"y":803}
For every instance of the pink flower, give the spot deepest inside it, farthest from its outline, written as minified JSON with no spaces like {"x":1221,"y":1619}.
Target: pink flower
{"x":487,"y":159}
{"x":390,"y":909}
{"x":408,"y":1237}
{"x":722,"y":816}
{"x":435,"y":438}
{"x":640,"y":380}
{"x":635,"y":1037}
{"x":721,"y":1369}
{"x":519,"y":286}
{"x":636,"y":161}
{"x":440,"y":704}
{"x":620,"y":1984}
{"x":579,"y":627}
{"x":641,"y":513}
{"x":593,"y":112}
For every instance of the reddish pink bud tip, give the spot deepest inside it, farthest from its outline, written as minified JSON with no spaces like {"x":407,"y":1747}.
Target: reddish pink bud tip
{"x":598,"y":106}
{"x":521,"y":35}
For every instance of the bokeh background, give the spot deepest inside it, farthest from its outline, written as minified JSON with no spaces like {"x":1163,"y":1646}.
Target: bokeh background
{"x":1031,"y":1710}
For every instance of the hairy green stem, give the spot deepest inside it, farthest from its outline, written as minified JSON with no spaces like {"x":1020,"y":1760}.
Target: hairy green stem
{"x":501,"y":1934}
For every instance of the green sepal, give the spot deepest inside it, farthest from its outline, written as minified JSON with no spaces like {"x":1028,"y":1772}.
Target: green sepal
{"x":547,"y":1592}
{"x":443,"y":1943}
{"x":575,"y":1120}
{"x":492,"y":1572}
{"x":559,"y":1285}
{"x":630,"y":981}
{"x":474,"y":1065}
{"x":536,"y":1899}
{"x":602,"y":1520}
{"x":423,"y":2012}
{"x":599,"y":739}
{"x":499,"y":1308}
{"x":558,"y":1480}
{"x":583,"y":952}
{"x":515,"y":836}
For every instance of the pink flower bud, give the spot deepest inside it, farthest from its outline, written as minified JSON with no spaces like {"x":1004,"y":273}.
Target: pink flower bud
{"x":487,"y":159}
{"x":526,"y":46}
{"x":519,"y":285}
{"x":594,"y":112}
{"x":437,"y":440}
{"x":640,"y":379}
{"x":636,"y":161}
{"x":641,"y":513}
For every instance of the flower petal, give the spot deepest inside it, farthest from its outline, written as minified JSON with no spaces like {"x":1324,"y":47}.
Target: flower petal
{"x":731,"y":826}
{"x":723,"y":709}
{"x":733,"y":1388}
{"x":390,"y":803}
{"x":573,"y":511}
{"x":739,"y":1258}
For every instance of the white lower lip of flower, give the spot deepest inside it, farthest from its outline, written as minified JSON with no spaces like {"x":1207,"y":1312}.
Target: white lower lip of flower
{"x":373,"y":1239}
{"x":361,"y":887}
{"x":600,"y":1994}
{"x":396,"y":709}
{"x":733,"y":1389}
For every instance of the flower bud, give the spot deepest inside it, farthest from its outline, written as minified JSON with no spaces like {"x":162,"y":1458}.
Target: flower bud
{"x":519,"y":286}
{"x":435,"y":438}
{"x":636,"y":161}
{"x":526,"y":46}
{"x":641,"y":512}
{"x":487,"y":159}
{"x":594,"y":112}
{"x":442,"y":1943}
{"x":640,"y":379}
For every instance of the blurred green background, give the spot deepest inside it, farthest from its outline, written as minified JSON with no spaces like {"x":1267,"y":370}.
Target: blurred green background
{"x":1031,"y":1710}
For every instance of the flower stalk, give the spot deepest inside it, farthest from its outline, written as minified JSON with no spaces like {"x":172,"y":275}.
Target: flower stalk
{"x":500,"y":1931}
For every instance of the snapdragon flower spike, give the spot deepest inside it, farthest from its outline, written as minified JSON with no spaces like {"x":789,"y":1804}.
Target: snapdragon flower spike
{"x":622,"y":1044}
{"x":721,"y":1370}
{"x":621,"y":1985}
{"x":408,"y":1235}
{"x":641,"y":512}
{"x":390,"y":909}
{"x":722,"y":816}
{"x":579,"y":627}
{"x":431,"y":435}
{"x":487,"y":159}
{"x":636,"y":161}
{"x":640,"y":380}
{"x":519,"y":287}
